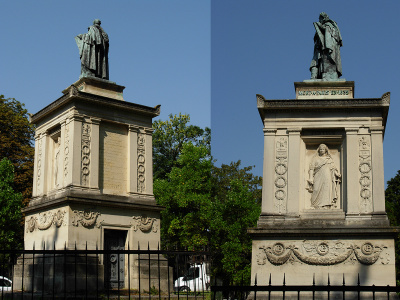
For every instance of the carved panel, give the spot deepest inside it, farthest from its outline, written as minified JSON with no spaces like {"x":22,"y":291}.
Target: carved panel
{"x":44,"y":220}
{"x":66,"y":149}
{"x":39,"y":162}
{"x":85,"y":153}
{"x":144,"y":223}
{"x":281,"y":165}
{"x":323,"y":253}
{"x":85,"y":218}
{"x":141,"y":161}
{"x":365,"y":174}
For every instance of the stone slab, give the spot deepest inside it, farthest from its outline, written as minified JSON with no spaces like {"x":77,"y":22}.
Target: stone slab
{"x":312,"y":89}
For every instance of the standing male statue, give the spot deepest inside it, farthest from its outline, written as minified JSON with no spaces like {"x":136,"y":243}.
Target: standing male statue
{"x":93,"y":51}
{"x":326,"y":63}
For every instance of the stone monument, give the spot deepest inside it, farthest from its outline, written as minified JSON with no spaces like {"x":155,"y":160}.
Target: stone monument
{"x":323,"y":199}
{"x":93,"y":174}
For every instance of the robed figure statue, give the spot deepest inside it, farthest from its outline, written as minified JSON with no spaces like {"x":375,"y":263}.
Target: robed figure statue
{"x":326,"y":63}
{"x":324,"y":179}
{"x":93,"y":51}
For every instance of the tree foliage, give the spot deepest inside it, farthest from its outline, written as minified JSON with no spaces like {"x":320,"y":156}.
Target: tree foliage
{"x":168,"y":140}
{"x":186,"y":193}
{"x":392,"y":197}
{"x":10,"y":212}
{"x":16,"y":136}
{"x":205,"y":205}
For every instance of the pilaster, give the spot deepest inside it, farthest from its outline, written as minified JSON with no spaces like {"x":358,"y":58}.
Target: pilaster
{"x":149,"y":160}
{"x":351,"y":166}
{"x":132,"y":159}
{"x":378,"y":183}
{"x":267,"y":206}
{"x":95,"y":153}
{"x":294,"y":172}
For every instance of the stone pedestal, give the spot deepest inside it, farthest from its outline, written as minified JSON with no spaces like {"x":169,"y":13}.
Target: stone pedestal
{"x":93,"y":176}
{"x":323,"y":208}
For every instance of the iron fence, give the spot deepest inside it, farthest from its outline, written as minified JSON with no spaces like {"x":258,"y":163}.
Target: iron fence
{"x":103,"y":274}
{"x":146,"y":274}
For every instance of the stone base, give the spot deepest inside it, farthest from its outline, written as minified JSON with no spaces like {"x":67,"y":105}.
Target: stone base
{"x":303,"y":255}
{"x":67,"y":273}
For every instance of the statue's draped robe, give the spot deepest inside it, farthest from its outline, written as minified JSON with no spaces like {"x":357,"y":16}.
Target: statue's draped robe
{"x":327,"y":49}
{"x":324,"y":187}
{"x":93,"y":51}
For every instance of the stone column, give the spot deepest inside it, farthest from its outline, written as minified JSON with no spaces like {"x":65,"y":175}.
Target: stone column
{"x":149,"y":160}
{"x":378,"y":182}
{"x":267,"y":206}
{"x":294,"y":173}
{"x":95,"y":153}
{"x":351,"y":166}
{"x":132,"y":159}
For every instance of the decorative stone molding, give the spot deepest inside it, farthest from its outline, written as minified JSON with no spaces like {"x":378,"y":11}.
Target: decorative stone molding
{"x":141,"y":140}
{"x":386,"y":97}
{"x":365,"y":174}
{"x":281,"y":166}
{"x":39,"y":162}
{"x":85,"y":218}
{"x":66,"y":148}
{"x":44,"y":220}
{"x":144,"y":223}
{"x":323,"y":253}
{"x":85,"y":153}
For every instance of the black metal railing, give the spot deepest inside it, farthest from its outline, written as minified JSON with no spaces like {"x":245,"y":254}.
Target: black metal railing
{"x":312,"y":291}
{"x":100,"y":274}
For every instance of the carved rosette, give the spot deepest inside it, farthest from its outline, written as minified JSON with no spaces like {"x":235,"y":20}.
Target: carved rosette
{"x":44,"y":220}
{"x":144,"y":223}
{"x":85,"y":153}
{"x":323,"y":253}
{"x":281,"y":165}
{"x":39,"y":162}
{"x":66,"y":149}
{"x":365,"y":174}
{"x":141,"y":161}
{"x":85,"y":218}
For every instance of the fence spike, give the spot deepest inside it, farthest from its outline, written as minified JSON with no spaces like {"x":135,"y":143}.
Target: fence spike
{"x":284,"y":279}
{"x":44,"y":245}
{"x":269,"y":278}
{"x":329,"y":280}
{"x":86,"y":245}
{"x":358,"y":280}
{"x":158,"y":246}
{"x":344,"y":283}
{"x":54,"y":245}
{"x":313,"y":279}
{"x":148,"y":246}
{"x":65,"y":245}
{"x":138,"y":245}
{"x":255,"y":280}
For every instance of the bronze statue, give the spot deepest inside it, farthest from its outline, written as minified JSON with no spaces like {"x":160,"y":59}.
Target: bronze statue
{"x":326,"y":63}
{"x":93,"y":51}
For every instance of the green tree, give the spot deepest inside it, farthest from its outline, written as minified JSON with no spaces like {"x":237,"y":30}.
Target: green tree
{"x":186,"y":194}
{"x":10,"y":212}
{"x":392,"y":197}
{"x":16,"y":136}
{"x":235,"y":208}
{"x":168,"y":140}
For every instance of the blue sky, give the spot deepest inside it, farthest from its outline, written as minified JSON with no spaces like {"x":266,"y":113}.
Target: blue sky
{"x":263,"y":47}
{"x":205,"y":58}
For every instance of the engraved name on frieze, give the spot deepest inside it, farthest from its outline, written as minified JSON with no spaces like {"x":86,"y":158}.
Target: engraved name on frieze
{"x":323,"y":253}
{"x":324,"y":92}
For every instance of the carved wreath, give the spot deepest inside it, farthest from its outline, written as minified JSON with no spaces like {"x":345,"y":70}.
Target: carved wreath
{"x":278,"y":254}
{"x":144,"y":223}
{"x":45,"y":220}
{"x":85,"y":218}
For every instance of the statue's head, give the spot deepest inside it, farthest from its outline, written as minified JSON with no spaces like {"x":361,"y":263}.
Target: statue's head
{"x":97,"y":22}
{"x":323,"y":150}
{"x":323,"y":17}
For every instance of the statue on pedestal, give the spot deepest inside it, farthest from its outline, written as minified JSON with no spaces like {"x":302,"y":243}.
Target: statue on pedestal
{"x":326,"y":63}
{"x":93,"y":51}
{"x":324,"y":179}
